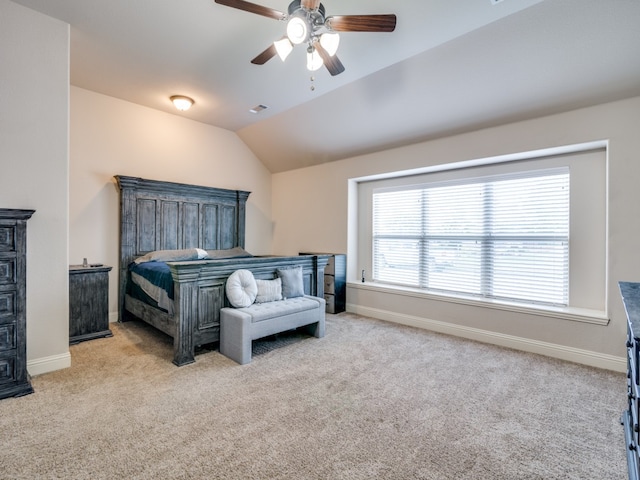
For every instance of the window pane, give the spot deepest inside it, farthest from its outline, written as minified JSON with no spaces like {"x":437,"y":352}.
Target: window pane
{"x":454,"y":266}
{"x":455,"y":210}
{"x":533,"y":271}
{"x":397,"y":261}
{"x":531,"y":206}
{"x":398,"y":213}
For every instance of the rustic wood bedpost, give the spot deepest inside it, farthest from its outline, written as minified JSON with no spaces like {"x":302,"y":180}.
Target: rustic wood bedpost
{"x":241,"y":202}
{"x":128,"y":245}
{"x":186,"y":315}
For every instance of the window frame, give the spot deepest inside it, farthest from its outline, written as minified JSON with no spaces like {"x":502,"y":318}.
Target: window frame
{"x":478,"y":194}
{"x":571,"y":155}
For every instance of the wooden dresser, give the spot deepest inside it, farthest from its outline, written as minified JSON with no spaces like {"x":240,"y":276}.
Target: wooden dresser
{"x":14,"y":378}
{"x":631,"y":416}
{"x":88,"y":303}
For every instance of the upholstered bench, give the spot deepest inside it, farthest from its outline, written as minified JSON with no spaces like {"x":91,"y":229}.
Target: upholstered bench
{"x":266,"y":307}
{"x":240,"y":326}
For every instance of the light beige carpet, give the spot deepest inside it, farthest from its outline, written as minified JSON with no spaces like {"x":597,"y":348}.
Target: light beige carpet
{"x":370,"y":400}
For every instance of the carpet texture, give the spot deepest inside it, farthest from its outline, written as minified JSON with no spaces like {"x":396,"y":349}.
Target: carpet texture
{"x":370,"y":400}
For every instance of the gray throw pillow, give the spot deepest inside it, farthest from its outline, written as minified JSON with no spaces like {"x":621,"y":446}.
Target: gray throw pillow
{"x":292,"y":283}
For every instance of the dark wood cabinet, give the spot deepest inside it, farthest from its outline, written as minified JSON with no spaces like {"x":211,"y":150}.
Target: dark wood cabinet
{"x":335,"y":281}
{"x":631,"y":416}
{"x":88,"y":303}
{"x":14,"y":378}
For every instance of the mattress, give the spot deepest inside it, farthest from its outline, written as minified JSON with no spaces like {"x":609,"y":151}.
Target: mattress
{"x":151,"y":280}
{"x":153,"y":284}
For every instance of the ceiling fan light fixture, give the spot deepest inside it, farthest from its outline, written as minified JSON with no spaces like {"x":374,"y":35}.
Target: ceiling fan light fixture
{"x":297,"y":30}
{"x":181,"y":102}
{"x":314,"y":60}
{"x":283,"y":47}
{"x":330,"y":42}
{"x":307,"y":23}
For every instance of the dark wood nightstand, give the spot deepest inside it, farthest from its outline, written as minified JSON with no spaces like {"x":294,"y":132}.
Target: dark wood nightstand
{"x":88,"y":303}
{"x":335,"y":281}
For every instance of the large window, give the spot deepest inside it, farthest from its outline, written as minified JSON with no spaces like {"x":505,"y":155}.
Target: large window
{"x":523,"y":233}
{"x":502,"y":237}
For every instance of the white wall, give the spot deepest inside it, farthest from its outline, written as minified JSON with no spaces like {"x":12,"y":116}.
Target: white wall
{"x":310,"y":213}
{"x":113,"y":137}
{"x":34,"y":93}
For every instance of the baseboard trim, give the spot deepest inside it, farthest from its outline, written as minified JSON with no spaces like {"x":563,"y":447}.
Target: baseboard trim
{"x":49,"y":364}
{"x":576,"y":355}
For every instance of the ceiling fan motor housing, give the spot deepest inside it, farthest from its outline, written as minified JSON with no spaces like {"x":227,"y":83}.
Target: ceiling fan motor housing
{"x":312,"y":20}
{"x":295,"y":5}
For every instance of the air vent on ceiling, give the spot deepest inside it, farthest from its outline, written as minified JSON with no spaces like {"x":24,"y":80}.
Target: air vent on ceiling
{"x":258,"y":108}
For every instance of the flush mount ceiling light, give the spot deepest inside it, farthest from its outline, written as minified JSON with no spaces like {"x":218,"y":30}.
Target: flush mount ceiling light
{"x":181,"y":102}
{"x":308,"y":24}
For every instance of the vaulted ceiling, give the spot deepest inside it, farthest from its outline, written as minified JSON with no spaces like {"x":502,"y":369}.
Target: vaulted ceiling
{"x":449,"y":67}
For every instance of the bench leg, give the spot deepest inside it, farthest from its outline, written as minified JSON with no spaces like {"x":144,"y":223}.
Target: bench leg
{"x":315,"y":329}
{"x":235,"y":337}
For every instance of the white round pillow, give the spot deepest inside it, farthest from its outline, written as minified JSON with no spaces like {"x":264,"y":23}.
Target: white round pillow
{"x":241,"y":288}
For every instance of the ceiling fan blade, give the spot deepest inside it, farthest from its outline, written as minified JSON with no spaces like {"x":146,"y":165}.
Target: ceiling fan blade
{"x":310,"y":4}
{"x":253,"y":8}
{"x":362,"y":23}
{"x":333,"y":64}
{"x":265,"y":56}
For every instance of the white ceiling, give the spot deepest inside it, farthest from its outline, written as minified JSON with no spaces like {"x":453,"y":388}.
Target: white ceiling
{"x":450,"y":66}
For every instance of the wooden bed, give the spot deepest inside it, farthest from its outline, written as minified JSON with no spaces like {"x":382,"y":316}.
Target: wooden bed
{"x":157,"y":215}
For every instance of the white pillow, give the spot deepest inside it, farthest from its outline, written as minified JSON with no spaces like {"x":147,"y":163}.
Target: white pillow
{"x":241,"y":288}
{"x":269,"y":290}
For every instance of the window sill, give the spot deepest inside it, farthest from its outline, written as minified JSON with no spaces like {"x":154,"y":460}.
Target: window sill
{"x":584,"y":315}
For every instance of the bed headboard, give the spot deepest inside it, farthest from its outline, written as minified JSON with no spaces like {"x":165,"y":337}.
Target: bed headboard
{"x":157,"y":215}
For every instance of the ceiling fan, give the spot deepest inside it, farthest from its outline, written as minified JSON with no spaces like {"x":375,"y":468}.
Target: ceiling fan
{"x":308,"y":24}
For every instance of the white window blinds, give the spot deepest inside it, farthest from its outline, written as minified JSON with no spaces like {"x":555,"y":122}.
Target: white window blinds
{"x":501,"y":237}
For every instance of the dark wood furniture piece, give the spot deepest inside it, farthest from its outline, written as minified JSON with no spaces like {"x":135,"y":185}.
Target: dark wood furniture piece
{"x":335,"y":281}
{"x":88,"y":303}
{"x":157,"y":215}
{"x":14,"y":378}
{"x":631,"y":416}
